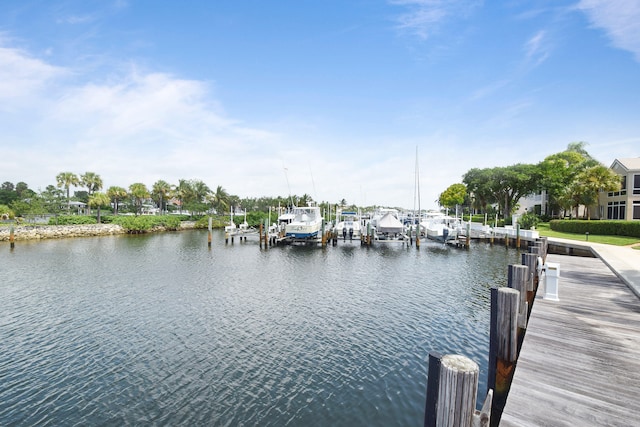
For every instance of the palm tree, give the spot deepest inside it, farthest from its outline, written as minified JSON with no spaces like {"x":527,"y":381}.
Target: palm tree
{"x":99,"y":199}
{"x":595,"y":179}
{"x":183,"y":192}
{"x":221,"y":201}
{"x":66,"y":180}
{"x":139,"y":192}
{"x":116,"y":194}
{"x":160,"y":192}
{"x":200,"y":193}
{"x":93,"y":182}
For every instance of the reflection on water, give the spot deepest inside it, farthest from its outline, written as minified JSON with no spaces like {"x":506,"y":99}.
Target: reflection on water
{"x":160,"y":330}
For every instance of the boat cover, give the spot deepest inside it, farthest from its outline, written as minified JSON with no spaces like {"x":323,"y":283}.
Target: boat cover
{"x":389,"y":224}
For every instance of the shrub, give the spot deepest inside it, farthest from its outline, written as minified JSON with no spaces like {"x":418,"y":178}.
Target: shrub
{"x":600,"y":227}
{"x":72,"y":220}
{"x":528,"y":220}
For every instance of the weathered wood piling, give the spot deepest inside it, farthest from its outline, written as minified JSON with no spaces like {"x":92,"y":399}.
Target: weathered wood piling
{"x":451,"y":393}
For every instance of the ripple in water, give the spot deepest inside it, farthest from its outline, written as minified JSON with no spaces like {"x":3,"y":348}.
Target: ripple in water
{"x":159,"y":330}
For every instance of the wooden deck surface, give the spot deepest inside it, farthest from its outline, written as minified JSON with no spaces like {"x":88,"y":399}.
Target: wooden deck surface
{"x":580,"y":360}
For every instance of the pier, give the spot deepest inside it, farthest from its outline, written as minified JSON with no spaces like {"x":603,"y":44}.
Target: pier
{"x":579,"y":364}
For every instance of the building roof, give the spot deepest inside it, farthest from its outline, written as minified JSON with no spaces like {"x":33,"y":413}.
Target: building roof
{"x":628,"y":164}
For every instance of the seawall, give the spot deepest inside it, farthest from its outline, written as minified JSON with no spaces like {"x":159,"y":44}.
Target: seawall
{"x":38,"y":232}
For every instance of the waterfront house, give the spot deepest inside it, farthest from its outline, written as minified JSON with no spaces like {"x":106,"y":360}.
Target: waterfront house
{"x":625,"y":203}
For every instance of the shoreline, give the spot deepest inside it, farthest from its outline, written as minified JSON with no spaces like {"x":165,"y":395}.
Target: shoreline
{"x":41,"y":232}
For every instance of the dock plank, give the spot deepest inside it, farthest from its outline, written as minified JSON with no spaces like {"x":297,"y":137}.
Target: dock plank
{"x":580,"y":360}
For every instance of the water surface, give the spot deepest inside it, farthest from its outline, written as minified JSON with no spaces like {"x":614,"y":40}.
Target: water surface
{"x":158,"y":329}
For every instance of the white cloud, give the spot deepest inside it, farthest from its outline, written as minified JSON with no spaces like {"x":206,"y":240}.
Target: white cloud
{"x":536,"y":48}
{"x":22,"y":76}
{"x":620,"y":19}
{"x":424,"y":17}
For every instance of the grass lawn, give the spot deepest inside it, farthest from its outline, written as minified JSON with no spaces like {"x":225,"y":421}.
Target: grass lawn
{"x":544,"y":230}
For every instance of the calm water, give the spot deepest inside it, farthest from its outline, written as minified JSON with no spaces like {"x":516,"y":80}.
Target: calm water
{"x":160,"y":330}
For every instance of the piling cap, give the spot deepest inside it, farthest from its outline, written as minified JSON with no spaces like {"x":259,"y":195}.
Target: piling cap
{"x":459,"y":363}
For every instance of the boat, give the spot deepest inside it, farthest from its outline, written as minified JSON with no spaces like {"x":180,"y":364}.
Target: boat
{"x":387,"y":225}
{"x":306,"y":223}
{"x":348,"y":225}
{"x":232,"y":227}
{"x":440,"y":227}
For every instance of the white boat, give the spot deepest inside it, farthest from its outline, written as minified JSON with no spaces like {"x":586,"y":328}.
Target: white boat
{"x":349,"y":225}
{"x":232,"y":227}
{"x":306,"y":223}
{"x":440,"y":227}
{"x":387,"y":225}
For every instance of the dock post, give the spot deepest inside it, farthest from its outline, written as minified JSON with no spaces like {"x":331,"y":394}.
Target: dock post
{"x":545,"y":247}
{"x":260,"y":235}
{"x":12,"y":241}
{"x":531,"y":261}
{"x":451,"y":393}
{"x":503,"y":346}
{"x":517,"y":278}
{"x":209,"y":234}
{"x":418,"y":236}
{"x":468,"y":242}
{"x":518,"y":236}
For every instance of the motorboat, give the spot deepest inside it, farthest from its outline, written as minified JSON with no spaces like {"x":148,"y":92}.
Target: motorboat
{"x":440,"y":227}
{"x":348,"y":225}
{"x":306,"y":223}
{"x":387,"y":225}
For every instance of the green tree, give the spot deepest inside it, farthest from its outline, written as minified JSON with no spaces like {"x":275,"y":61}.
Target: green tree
{"x":504,"y":185}
{"x":92,"y":182}
{"x":454,"y":195}
{"x":198,"y":200}
{"x":98,"y":199}
{"x":116,"y":194}
{"x":592,"y":181}
{"x":139,"y":193}
{"x":160,"y":192}
{"x":184,"y":193}
{"x":478,"y":185}
{"x":22,"y":190}
{"x":52,"y":198}
{"x":66,"y":180}
{"x":221,"y":201}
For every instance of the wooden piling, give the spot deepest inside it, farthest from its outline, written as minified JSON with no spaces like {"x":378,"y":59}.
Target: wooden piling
{"x":12,"y":239}
{"x":544,"y":244}
{"x":210,"y":233}
{"x":517,"y":235}
{"x":503,"y":346}
{"x":451,"y":393}
{"x":468,"y":241}
{"x":517,"y":278}
{"x":531,"y":261}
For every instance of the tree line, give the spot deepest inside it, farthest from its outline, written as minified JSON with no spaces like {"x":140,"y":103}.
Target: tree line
{"x":193,"y":196}
{"x":571,"y":178}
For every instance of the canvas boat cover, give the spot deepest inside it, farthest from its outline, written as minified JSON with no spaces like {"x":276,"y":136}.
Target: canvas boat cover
{"x":389,"y":224}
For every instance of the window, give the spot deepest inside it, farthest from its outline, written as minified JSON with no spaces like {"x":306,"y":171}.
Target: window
{"x":615,"y":210}
{"x":636,"y":184}
{"x":623,"y":188}
{"x":636,"y":210}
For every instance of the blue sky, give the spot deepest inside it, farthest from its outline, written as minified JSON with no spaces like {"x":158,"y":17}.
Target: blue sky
{"x":338,"y":93}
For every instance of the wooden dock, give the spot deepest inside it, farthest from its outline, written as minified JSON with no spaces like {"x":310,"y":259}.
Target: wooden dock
{"x":580,"y":360}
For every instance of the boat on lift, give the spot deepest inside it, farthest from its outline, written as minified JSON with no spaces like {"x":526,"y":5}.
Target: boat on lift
{"x":306,"y":223}
{"x":348,"y":225}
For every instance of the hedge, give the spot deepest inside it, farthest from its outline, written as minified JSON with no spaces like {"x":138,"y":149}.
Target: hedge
{"x":599,"y":227}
